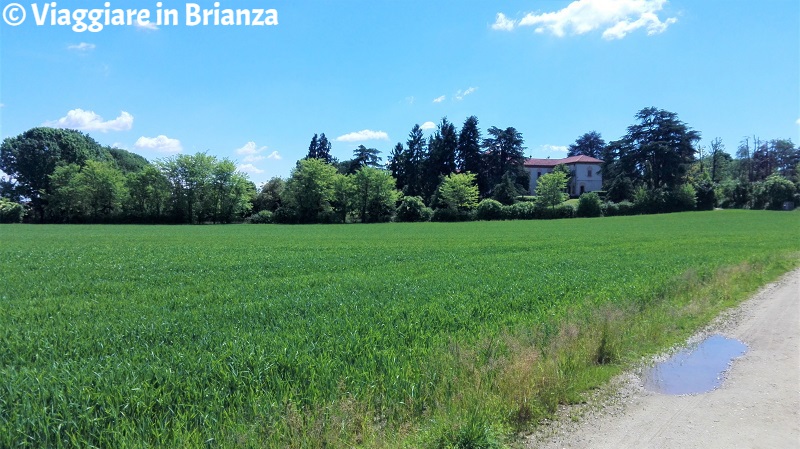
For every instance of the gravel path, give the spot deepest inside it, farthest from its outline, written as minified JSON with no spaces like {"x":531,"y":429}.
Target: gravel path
{"x":758,"y":405}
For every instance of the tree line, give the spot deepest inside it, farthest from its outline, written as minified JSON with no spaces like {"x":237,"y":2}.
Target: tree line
{"x":65,"y":176}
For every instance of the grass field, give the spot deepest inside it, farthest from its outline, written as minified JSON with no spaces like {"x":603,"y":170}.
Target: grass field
{"x":307,"y":336}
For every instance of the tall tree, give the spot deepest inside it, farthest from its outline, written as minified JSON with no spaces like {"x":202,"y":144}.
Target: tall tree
{"x":504,"y":153}
{"x":375,"y":194}
{"x":414,"y":152}
{"x":590,"y":144}
{"x":92,"y":193}
{"x":397,"y":165}
{"x":656,"y":151}
{"x":441,"y":160}
{"x":148,"y":194}
{"x":550,"y":189}
{"x":468,"y":153}
{"x":459,"y":191}
{"x":364,"y":157}
{"x":31,"y":157}
{"x":310,"y":190}
{"x":320,"y":148}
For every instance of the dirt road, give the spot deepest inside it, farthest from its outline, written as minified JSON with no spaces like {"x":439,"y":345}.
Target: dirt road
{"x":758,"y":405}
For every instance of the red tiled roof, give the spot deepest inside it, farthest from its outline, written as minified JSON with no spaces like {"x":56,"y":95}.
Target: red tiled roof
{"x":566,"y":161}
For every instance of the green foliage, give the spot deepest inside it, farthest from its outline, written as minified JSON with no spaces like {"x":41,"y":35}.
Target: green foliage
{"x":275,"y":336}
{"x":269,"y":198}
{"x":260,"y":217}
{"x":508,"y":190}
{"x":31,"y":157}
{"x":773,"y":192}
{"x":622,"y":208}
{"x":204,"y":188}
{"x":126,"y":161}
{"x":375,"y":195}
{"x":589,"y":205}
{"x":447,"y":214}
{"x":590,"y":144}
{"x":11,"y":212}
{"x":550,"y":188}
{"x":412,"y":209}
{"x":489,"y":209}
{"x":656,"y":151}
{"x":148,"y":195}
{"x":734,"y":194}
{"x":706,"y":196}
{"x":310,"y":190}
{"x":90,"y":194}
{"x":459,"y":191}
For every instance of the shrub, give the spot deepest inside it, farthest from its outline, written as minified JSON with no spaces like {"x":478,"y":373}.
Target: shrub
{"x":618,"y":209}
{"x":520,"y":211}
{"x":11,"y":212}
{"x":682,"y":198}
{"x":589,"y":205}
{"x":734,"y":194}
{"x":706,"y":197}
{"x":489,"y":209}
{"x":261,"y":217}
{"x":450,"y":214}
{"x":285,"y":215}
{"x":773,"y":192}
{"x":411,"y":209}
{"x":560,"y":211}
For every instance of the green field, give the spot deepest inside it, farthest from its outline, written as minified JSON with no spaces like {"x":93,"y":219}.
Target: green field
{"x":253,"y":336}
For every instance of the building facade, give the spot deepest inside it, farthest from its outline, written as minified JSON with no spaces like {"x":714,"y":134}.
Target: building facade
{"x":586,"y":176}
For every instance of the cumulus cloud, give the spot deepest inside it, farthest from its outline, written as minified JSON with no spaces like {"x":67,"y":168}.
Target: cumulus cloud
{"x":249,"y":148}
{"x":555,"y":148}
{"x":798,"y":120}
{"x":249,"y":168}
{"x":439,"y":99}
{"x":616,"y":18}
{"x":274,"y":156}
{"x":460,"y":95}
{"x":89,"y":121}
{"x":161,"y":144}
{"x":503,"y":23}
{"x":363,"y":135}
{"x":428,"y":125}
{"x":83,"y":46}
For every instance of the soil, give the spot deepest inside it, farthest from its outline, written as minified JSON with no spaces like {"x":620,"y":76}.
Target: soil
{"x":757,"y":405}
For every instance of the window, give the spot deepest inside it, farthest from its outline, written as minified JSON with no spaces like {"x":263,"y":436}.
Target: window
{"x":538,"y":175}
{"x":590,"y":172}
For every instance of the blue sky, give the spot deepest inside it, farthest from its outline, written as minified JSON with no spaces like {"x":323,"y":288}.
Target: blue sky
{"x":364,"y":72}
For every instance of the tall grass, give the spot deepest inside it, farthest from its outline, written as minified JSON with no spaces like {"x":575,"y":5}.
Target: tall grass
{"x":334,"y":336}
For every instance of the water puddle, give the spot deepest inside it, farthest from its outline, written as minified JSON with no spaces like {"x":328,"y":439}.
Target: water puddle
{"x":695,"y":370}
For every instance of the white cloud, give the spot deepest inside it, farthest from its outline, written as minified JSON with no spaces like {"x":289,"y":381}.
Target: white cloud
{"x":617,"y":18}
{"x":428,"y":125}
{"x":118,"y":145}
{"x":149,"y":26}
{"x":439,"y":99}
{"x":410,"y":100}
{"x":2,"y":105}
{"x":89,"y":121}
{"x":83,"y":46}
{"x":798,"y":120}
{"x":249,"y":168}
{"x":555,"y":148}
{"x":363,"y":135}
{"x":275,"y":156}
{"x":161,"y":144}
{"x":250,"y":148}
{"x":503,"y":23}
{"x":460,"y":95}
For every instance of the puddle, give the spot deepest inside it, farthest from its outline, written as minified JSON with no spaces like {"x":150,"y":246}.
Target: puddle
{"x":695,"y":370}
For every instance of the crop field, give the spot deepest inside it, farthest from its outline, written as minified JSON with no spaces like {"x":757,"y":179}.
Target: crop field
{"x":306,"y":336}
